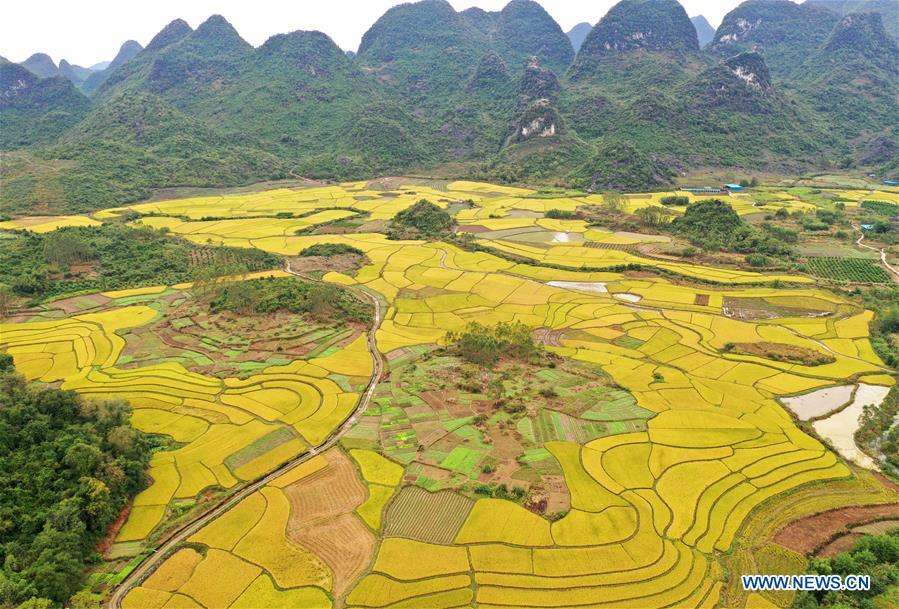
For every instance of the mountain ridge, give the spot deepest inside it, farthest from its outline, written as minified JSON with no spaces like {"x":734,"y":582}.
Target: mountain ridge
{"x":705,"y":33}
{"x":494,"y":95}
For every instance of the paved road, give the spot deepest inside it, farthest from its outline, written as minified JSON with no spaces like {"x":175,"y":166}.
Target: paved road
{"x":153,"y":560}
{"x":883,"y":253}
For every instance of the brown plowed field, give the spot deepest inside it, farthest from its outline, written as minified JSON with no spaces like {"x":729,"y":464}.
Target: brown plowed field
{"x":811,"y":533}
{"x":322,"y":519}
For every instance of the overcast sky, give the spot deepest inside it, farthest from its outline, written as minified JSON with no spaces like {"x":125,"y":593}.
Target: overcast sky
{"x":86,"y":32}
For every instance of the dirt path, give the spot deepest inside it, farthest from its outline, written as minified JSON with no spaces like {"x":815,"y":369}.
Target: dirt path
{"x":883,"y":253}
{"x":158,"y":555}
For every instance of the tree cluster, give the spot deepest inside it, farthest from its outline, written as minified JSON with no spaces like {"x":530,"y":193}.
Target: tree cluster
{"x":485,"y":346}
{"x":322,"y":302}
{"x":67,"y":467}
{"x":874,"y":555}
{"x":424,"y":219}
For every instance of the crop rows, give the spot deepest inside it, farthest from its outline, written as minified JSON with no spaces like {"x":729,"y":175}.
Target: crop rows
{"x":854,"y":270}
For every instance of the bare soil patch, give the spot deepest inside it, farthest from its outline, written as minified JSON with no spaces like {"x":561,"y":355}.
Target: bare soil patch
{"x":112,"y":531}
{"x":473,"y":228}
{"x":760,"y":308}
{"x":341,"y":263}
{"x":809,"y":534}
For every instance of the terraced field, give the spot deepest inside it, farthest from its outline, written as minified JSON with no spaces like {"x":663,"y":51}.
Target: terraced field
{"x":228,"y":429}
{"x":678,"y":443}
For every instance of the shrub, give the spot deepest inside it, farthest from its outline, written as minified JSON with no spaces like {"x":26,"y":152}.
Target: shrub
{"x":758,"y":260}
{"x":675,"y":200}
{"x":561,"y":214}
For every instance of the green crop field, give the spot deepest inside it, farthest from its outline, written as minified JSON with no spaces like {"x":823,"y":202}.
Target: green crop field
{"x":854,"y":270}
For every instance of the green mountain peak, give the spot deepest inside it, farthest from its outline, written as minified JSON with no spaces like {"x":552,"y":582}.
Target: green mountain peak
{"x":649,"y":25}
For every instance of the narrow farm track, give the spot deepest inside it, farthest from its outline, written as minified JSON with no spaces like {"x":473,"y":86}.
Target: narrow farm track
{"x":883,"y":253}
{"x":159,"y":554}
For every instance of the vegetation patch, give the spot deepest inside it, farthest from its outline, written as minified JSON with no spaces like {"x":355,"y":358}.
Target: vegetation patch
{"x":881,"y":207}
{"x":878,"y":433}
{"x":322,"y":302}
{"x":781,"y":352}
{"x":424,"y":219}
{"x":74,"y":464}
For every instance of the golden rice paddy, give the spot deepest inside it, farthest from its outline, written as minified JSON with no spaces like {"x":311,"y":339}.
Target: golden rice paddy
{"x":652,"y":512}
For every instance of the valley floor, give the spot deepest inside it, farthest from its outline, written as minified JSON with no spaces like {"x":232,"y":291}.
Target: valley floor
{"x":647,"y":463}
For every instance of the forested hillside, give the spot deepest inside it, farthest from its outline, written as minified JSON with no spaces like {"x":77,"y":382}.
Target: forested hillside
{"x":67,"y":466}
{"x":498,"y":95}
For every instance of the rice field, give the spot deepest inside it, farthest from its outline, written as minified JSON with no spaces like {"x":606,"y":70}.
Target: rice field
{"x":656,"y":503}
{"x":230,"y":429}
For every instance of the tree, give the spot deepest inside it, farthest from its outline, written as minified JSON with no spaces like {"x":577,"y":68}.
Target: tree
{"x":84,"y":600}
{"x":82,"y":458}
{"x":6,"y":299}
{"x":615,"y":200}
{"x":653,"y":215}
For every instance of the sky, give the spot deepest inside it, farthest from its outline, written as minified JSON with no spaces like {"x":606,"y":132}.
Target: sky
{"x":86,"y":32}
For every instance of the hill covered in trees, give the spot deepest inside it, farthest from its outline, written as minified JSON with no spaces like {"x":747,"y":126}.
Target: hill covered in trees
{"x":496,"y":95}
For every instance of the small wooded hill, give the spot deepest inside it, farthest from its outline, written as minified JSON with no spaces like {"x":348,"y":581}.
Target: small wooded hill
{"x":497,"y":95}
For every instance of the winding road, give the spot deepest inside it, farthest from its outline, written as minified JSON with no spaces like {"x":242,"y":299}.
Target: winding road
{"x":152,"y":561}
{"x":883,"y":253}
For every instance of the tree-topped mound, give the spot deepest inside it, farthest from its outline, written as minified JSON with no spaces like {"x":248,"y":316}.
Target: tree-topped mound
{"x":322,"y":302}
{"x":330,"y":249}
{"x":620,"y":166}
{"x":712,"y":222}
{"x":424,"y":219}
{"x":485,"y":346}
